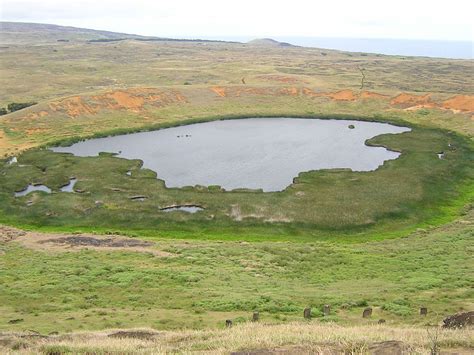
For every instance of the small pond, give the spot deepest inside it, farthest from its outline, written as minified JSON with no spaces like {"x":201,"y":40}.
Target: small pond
{"x":186,"y":208}
{"x":31,"y":188}
{"x":254,"y":153}
{"x":70,"y":186}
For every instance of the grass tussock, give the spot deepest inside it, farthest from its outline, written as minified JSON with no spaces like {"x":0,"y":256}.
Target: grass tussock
{"x":292,"y":337}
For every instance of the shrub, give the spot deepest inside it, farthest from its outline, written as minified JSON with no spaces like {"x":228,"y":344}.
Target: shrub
{"x":55,"y":349}
{"x":398,"y":307}
{"x":15,"y":106}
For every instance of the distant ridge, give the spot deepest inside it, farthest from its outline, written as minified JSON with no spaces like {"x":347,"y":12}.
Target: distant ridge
{"x":269,"y":42}
{"x":34,"y":33}
{"x":40,"y":33}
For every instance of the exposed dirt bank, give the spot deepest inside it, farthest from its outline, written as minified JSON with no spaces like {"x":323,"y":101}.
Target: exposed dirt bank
{"x":75,"y":242}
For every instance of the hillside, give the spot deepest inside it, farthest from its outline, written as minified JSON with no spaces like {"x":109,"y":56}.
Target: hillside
{"x":38,"y":33}
{"x":113,"y":252}
{"x":268,"y":42}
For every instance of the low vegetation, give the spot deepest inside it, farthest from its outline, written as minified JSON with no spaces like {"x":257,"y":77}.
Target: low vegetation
{"x":199,"y":284}
{"x":395,"y":239}
{"x":15,"y":106}
{"x":310,"y":337}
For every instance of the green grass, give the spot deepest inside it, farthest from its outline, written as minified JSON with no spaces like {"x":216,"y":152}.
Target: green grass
{"x":207,"y":282}
{"x":384,"y":239}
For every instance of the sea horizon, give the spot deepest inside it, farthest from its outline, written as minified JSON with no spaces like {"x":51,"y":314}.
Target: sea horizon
{"x":455,"y":49}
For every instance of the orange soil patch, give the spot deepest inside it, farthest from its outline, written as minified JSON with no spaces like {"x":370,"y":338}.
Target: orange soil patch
{"x":343,"y":95}
{"x":132,"y":100}
{"x":460,"y":103}
{"x":126,"y":100}
{"x":371,"y":95}
{"x":408,"y":100}
{"x":73,"y":106}
{"x":290,"y":91}
{"x":219,"y":91}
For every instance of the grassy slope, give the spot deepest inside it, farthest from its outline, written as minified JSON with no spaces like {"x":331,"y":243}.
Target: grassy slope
{"x":207,"y":282}
{"x":24,"y":33}
{"x":210,"y":281}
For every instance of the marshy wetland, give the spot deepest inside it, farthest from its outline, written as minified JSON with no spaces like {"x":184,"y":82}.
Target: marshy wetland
{"x":318,"y":177}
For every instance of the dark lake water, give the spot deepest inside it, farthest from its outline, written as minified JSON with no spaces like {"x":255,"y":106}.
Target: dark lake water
{"x":253,"y":153}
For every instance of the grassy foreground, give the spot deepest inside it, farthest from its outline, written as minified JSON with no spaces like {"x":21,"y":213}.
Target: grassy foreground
{"x":301,"y":338}
{"x":203,"y":283}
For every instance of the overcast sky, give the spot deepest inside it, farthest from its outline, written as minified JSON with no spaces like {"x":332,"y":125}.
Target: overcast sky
{"x":411,"y":19}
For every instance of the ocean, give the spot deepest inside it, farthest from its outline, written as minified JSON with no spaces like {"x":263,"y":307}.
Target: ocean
{"x":404,"y":47}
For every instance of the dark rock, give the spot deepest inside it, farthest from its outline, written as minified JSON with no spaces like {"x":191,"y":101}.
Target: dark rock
{"x":459,"y":320}
{"x":134,"y":334}
{"x":307,"y":313}
{"x":367,"y":312}
{"x":326,"y":309}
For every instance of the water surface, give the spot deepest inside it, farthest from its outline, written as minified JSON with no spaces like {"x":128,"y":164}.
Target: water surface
{"x":70,"y":186}
{"x":32,"y":188}
{"x":255,"y":153}
{"x":188,"y":209}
